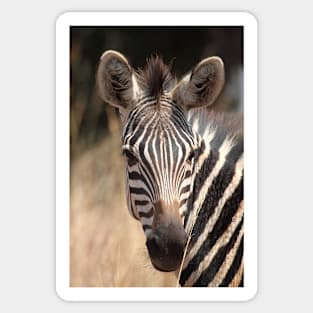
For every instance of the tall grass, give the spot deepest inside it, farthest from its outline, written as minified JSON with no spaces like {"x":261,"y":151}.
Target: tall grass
{"x":107,"y":246}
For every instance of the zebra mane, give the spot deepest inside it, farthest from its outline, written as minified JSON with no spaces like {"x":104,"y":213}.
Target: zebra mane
{"x":227,"y":124}
{"x":156,"y":77}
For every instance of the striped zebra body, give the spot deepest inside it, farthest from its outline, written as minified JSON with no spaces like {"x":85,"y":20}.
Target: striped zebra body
{"x":214,"y":218}
{"x":184,"y":167}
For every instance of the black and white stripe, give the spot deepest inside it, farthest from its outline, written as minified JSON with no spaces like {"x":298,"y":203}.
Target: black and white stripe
{"x":214,"y":219}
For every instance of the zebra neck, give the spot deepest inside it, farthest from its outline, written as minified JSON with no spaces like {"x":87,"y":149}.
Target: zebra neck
{"x":214,"y":214}
{"x":219,"y":159}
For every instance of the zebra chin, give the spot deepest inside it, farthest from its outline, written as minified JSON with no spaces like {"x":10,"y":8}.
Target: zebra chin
{"x":166,"y":247}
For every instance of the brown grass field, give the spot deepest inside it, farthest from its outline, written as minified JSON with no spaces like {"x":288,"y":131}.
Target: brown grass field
{"x":107,"y":246}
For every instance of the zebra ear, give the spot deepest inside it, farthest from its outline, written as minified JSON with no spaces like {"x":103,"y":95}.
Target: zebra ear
{"x":202,"y":86}
{"x":114,"y":79}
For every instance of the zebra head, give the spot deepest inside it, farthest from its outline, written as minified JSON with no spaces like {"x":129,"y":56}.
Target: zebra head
{"x":159,"y":145}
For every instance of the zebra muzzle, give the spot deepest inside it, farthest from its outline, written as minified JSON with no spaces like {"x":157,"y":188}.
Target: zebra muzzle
{"x":166,"y":247}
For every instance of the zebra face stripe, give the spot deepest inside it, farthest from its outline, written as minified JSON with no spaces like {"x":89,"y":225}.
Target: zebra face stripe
{"x":160,"y":145}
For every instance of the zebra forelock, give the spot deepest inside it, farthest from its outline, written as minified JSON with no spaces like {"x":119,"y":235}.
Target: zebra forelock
{"x":156,"y":78}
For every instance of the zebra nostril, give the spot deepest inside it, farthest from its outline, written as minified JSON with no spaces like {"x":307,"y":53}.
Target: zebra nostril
{"x":153,"y":244}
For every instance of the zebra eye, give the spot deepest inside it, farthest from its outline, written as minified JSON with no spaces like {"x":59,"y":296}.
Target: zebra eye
{"x":131,"y":159}
{"x":190,"y":157}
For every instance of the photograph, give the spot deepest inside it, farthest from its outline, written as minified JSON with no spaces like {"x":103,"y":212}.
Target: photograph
{"x":156,"y":156}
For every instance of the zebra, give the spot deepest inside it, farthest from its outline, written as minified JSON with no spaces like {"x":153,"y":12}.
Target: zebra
{"x":183,"y":164}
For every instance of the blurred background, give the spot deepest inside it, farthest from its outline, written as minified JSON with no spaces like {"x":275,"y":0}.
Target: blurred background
{"x":107,"y":247}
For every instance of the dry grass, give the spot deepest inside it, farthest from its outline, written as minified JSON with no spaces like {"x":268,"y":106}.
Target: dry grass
{"x":107,"y":246}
